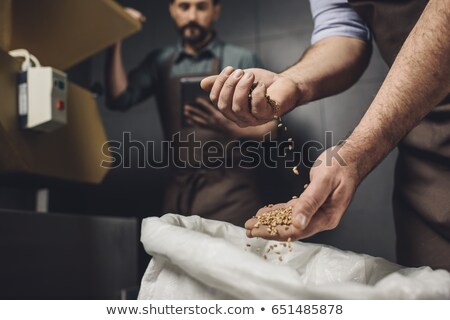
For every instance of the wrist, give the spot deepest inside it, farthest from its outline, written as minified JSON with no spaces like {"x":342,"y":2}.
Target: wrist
{"x":303,"y":92}
{"x":360,"y":155}
{"x":352,"y":160}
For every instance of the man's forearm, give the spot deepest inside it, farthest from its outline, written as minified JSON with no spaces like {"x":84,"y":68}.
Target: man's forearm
{"x":417,"y":81}
{"x":116,"y":77}
{"x":328,"y":67}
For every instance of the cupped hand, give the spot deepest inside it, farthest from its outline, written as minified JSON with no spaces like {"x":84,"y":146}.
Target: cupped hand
{"x":322,"y":204}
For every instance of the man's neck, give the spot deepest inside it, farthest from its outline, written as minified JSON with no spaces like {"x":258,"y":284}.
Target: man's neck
{"x":195,"y":49}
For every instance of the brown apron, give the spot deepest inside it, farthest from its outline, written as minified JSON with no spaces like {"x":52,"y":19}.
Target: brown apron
{"x":219,"y":194}
{"x":422,"y":177}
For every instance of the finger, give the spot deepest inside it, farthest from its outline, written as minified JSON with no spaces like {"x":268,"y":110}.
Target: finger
{"x":250,"y":223}
{"x":260,"y":230}
{"x":135,"y":14}
{"x":197,"y":120}
{"x":225,"y":103}
{"x":208,"y":82}
{"x":210,"y":108}
{"x":272,"y":207}
{"x":141,"y":17}
{"x":189,"y":110}
{"x":240,"y":102}
{"x":190,"y":122}
{"x":311,"y":200}
{"x":218,"y":84}
{"x":216,"y":92}
{"x":206,"y":104}
{"x":283,"y":233}
{"x":260,"y":109}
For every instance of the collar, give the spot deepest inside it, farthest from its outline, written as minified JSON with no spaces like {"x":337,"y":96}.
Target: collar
{"x":212,"y":48}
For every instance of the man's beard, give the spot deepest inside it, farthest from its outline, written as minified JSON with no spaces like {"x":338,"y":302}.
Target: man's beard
{"x":196,"y":37}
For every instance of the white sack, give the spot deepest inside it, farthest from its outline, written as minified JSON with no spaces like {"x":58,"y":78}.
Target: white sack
{"x":195,"y":258}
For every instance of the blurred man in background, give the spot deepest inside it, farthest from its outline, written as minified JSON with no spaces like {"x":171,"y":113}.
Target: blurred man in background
{"x":227,"y":194}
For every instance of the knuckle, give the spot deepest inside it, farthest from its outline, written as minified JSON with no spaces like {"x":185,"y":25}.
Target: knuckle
{"x":258,"y":96}
{"x":243,"y":86}
{"x":260,"y":110}
{"x":333,"y":224}
{"x":222,"y":104}
{"x":213,"y":97}
{"x":327,"y":179}
{"x":258,"y":113}
{"x":222,"y":78}
{"x":258,"y":116}
{"x":236,"y":108}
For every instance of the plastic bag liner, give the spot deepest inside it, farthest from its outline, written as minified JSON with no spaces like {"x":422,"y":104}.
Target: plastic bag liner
{"x":195,"y":258}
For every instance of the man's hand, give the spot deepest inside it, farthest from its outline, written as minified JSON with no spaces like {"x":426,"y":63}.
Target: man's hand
{"x":137,"y":15}
{"x":209,"y":117}
{"x":229,"y":91}
{"x":321,"y":206}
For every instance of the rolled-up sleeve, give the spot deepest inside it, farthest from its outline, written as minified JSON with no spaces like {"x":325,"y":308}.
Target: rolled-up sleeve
{"x":337,"y":18}
{"x":141,"y":84}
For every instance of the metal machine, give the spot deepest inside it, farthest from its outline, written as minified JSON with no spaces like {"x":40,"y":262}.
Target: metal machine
{"x":42,"y":95}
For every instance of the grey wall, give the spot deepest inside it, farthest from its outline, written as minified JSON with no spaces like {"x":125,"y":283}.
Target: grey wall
{"x":278,"y":31}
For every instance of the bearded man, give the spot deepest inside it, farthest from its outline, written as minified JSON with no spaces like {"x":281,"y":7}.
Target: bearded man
{"x":227,"y":194}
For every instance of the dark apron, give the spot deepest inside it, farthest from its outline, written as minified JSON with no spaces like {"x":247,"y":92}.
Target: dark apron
{"x":219,"y":194}
{"x":422,"y":177}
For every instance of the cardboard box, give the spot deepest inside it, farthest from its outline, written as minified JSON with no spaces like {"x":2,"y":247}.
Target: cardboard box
{"x":62,"y":33}
{"x":73,"y":152}
{"x":5,"y":23}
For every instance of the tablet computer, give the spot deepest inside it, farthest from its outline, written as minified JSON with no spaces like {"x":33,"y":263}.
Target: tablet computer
{"x":190,"y":92}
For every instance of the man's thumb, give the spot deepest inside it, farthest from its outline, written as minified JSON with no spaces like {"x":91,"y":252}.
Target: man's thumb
{"x":310,"y":202}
